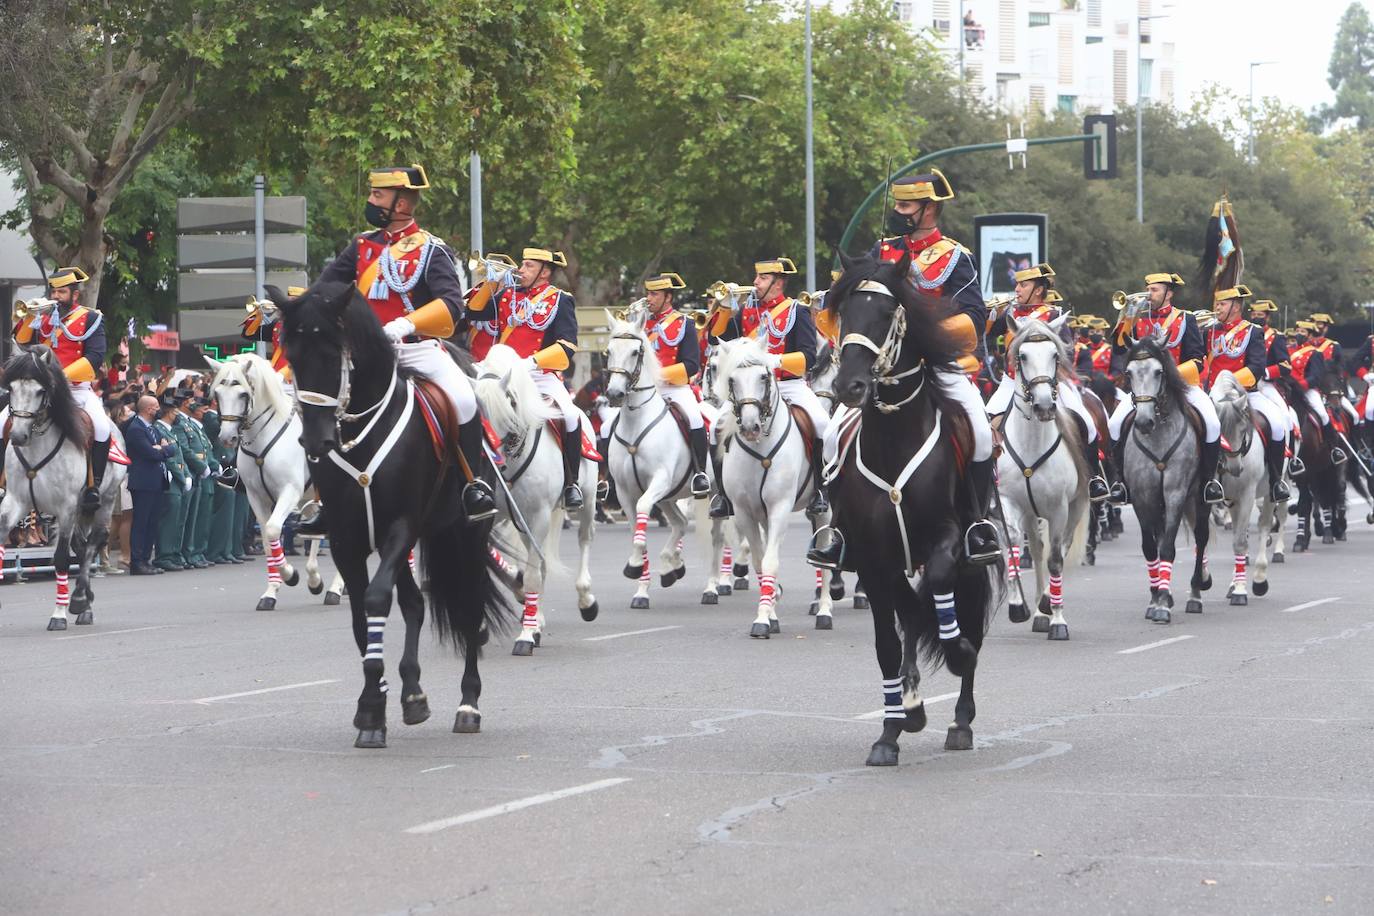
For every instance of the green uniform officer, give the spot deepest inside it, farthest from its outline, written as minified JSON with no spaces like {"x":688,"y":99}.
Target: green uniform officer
{"x":222,"y":515}
{"x":199,"y":468}
{"x":200,"y":534}
{"x":176,"y":498}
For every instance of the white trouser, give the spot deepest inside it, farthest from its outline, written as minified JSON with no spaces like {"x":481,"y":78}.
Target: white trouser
{"x":1349,"y":408}
{"x":1318,"y":405}
{"x":551,"y":386}
{"x":1069,"y":397}
{"x":1197,"y":399}
{"x":1276,"y":414}
{"x":796,"y":391}
{"x":1272,"y":394}
{"x":89,"y":401}
{"x":430,"y":359}
{"x":958,"y":387}
{"x":682,"y":396}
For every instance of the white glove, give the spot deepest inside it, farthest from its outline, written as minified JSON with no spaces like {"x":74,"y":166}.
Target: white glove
{"x":186,"y":485}
{"x":205,"y":472}
{"x":532,"y":364}
{"x":772,"y":360}
{"x":398,"y":329}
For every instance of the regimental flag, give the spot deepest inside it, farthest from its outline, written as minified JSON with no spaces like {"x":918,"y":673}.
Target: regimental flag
{"x":1223,"y":263}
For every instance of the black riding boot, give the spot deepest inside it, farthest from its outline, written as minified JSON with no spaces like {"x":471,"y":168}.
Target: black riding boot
{"x":479,"y":503}
{"x":720,"y":504}
{"x":1273,"y":463}
{"x":819,"y":504}
{"x":1097,"y":481}
{"x":100,"y":455}
{"x":572,"y":460}
{"x":1212,"y":493}
{"x":701,"y":487}
{"x":1118,"y":493}
{"x":980,"y":541}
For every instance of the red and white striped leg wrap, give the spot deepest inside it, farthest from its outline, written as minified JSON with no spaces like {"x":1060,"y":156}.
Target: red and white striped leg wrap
{"x":1240,"y":569}
{"x":727,"y":561}
{"x":644,"y":574}
{"x":411,"y":559}
{"x":276,"y":559}
{"x":768,"y":589}
{"x":820,"y":579}
{"x":1056,"y":591}
{"x":679,"y":544}
{"x":64,"y":595}
{"x":1014,"y":561}
{"x":1166,"y":574}
{"x":641,"y":528}
{"x":1152,"y":567}
{"x":531,"y":610}
{"x":501,"y":562}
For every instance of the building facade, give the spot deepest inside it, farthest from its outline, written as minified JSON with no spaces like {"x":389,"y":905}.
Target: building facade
{"x":1080,"y":56}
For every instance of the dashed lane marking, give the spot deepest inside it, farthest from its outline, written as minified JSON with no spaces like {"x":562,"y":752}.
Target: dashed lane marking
{"x":518,"y":805}
{"x":630,"y":633}
{"x":1155,"y":645}
{"x":878,"y":713}
{"x":1307,"y":604}
{"x":206,"y":701}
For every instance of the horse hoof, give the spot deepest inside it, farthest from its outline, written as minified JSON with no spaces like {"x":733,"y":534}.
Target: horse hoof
{"x":741,"y":570}
{"x":467,"y":722}
{"x":1260,"y":588}
{"x":959,"y":738}
{"x":331,"y":599}
{"x":414,"y":709}
{"x":1328,"y":538}
{"x":883,"y":754}
{"x":1041,"y":624}
{"x":1277,"y":557}
{"x":710,"y":598}
{"x":632,"y":572}
{"x":270,"y":604}
{"x":590,"y":611}
{"x":836,"y":591}
{"x":1238,"y":600}
{"x":1017,"y":613}
{"x":741,"y":584}
{"x":292,"y":579}
{"x":639,"y":603}
{"x":860,"y":602}
{"x":57,"y":623}
{"x":1059,"y":632}
{"x":681,"y":572}
{"x":1090,"y":559}
{"x":814,"y":607}
{"x":85,"y":619}
{"x":1369,"y":519}
{"x":316,"y":588}
{"x":723,"y":589}
{"x":1194,"y":606}
{"x":774,"y":627}
{"x":666,"y":579}
{"x":915,"y":719}
{"x":759,"y":631}
{"x":1152,"y":611}
{"x":825,"y":622}
{"x":522,"y":648}
{"x":1162,"y":615}
{"x":371,"y":738}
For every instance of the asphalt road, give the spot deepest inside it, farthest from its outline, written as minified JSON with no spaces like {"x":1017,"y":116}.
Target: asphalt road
{"x":187,"y":755}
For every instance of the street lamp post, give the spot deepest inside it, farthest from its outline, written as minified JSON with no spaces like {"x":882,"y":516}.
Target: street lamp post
{"x":1250,"y":115}
{"x":810,"y":166}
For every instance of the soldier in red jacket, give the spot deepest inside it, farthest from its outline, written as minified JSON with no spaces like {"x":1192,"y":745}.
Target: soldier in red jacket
{"x":674,"y":338}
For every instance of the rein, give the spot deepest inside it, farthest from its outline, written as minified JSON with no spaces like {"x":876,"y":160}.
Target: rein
{"x":766,"y":461}
{"x":889,"y":353}
{"x":632,"y":378}
{"x":1028,"y":470}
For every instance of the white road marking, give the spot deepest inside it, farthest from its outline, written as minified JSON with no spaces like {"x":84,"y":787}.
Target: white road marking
{"x":444,"y":767}
{"x":1307,"y":604}
{"x":206,"y":701}
{"x":114,"y":632}
{"x":630,"y":633}
{"x":517,"y":805}
{"x":878,"y":713}
{"x":1155,"y":645}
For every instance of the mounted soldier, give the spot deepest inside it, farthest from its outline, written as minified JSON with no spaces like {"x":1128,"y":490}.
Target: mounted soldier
{"x":539,"y":321}
{"x":789,"y":330}
{"x":1308,"y":371}
{"x":1334,"y":358}
{"x":263,"y":324}
{"x":76,"y":335}
{"x":1276,"y":367}
{"x":674,"y":338}
{"x":1037,"y":299}
{"x":1235,"y":345}
{"x":411,"y":280}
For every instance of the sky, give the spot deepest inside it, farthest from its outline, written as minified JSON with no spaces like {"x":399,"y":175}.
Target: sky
{"x":1297,"y":35}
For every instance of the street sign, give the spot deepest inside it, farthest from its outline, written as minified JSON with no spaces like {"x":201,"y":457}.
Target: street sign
{"x":235,"y":214}
{"x":221,"y":251}
{"x":1099,"y":154}
{"x":229,"y":288}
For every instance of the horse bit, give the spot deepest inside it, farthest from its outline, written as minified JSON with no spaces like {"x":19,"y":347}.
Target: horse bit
{"x":888,"y":354}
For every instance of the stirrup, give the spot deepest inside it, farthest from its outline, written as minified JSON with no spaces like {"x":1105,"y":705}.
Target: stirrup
{"x":1119,"y":495}
{"x":721,"y":507}
{"x":1296,"y":468}
{"x":1219,"y":493}
{"x":818,"y":504}
{"x":701,"y":486}
{"x":1338,"y":456}
{"x":832,"y":555}
{"x":476,"y":486}
{"x":1280,"y":492}
{"x":1101,"y":488}
{"x":572,"y":497}
{"x":90,"y":499}
{"x":986,"y":557}
{"x":603,"y":490}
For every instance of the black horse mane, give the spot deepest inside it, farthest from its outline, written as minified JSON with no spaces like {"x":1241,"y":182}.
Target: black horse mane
{"x":925,"y":335}
{"x":1173,"y":382}
{"x":39,"y":365}
{"x":344,"y":319}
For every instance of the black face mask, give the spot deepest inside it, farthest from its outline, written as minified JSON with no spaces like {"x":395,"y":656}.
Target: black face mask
{"x":377,"y":216}
{"x":1095,"y":338}
{"x":900,"y":223}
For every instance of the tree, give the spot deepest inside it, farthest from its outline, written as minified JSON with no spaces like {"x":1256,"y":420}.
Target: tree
{"x":1351,"y":71}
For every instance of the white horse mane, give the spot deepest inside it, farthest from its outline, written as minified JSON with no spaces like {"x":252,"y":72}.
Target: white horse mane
{"x":1229,"y":387}
{"x":258,"y":376}
{"x":1029,"y":327}
{"x":508,"y":395}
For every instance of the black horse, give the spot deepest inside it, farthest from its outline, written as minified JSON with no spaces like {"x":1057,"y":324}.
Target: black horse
{"x":892,"y":344}
{"x":352,"y":397}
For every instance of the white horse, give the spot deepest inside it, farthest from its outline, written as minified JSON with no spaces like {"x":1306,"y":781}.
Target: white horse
{"x":1246,"y":482}
{"x":648,"y":456}
{"x":45,"y":471}
{"x":1042,"y":477}
{"x":533,"y":472}
{"x":729,"y":550}
{"x":257,"y":417}
{"x":766,"y":469}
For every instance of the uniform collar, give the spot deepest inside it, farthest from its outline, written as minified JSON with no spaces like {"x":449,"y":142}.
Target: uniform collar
{"x":1162,"y":314}
{"x":396,"y":236}
{"x":659,"y":317}
{"x":769,"y":303}
{"x":924,"y":242}
{"x":531,"y":291}
{"x":1231,"y":326}
{"x":1317,"y":341}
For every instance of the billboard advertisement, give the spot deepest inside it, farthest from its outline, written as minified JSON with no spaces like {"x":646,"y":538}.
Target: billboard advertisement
{"x":1004,"y":243}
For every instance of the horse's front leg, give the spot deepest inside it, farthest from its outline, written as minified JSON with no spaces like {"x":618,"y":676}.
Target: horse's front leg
{"x":62,"y":562}
{"x":1017,"y":612}
{"x":637,"y":567}
{"x":887,"y":645}
{"x":770,"y":557}
{"x":529,"y":637}
{"x":376,"y":605}
{"x":941,"y":576}
{"x":1059,"y":627}
{"x":1201,"y":579}
{"x":271,"y":534}
{"x":670,"y":559}
{"x":1149,"y":548}
{"x":313,"y":581}
{"x":586,"y":532}
{"x":825,"y":599}
{"x":712,"y":537}
{"x":84,"y":547}
{"x":1240,"y":547}
{"x":754,"y":536}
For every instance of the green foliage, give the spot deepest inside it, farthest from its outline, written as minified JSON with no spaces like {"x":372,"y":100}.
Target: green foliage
{"x":1351,"y":72}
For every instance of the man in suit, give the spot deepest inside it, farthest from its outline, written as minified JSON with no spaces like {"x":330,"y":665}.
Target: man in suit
{"x":147,"y":479}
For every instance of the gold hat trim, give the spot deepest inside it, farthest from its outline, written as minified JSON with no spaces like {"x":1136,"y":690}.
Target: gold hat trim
{"x":67,"y":276}
{"x":782,"y":266}
{"x":923,"y":187}
{"x":1239,"y":291}
{"x":1035,"y":273}
{"x":397,"y":177}
{"x":548,"y":256}
{"x":1175,"y":279}
{"x":665,"y":281}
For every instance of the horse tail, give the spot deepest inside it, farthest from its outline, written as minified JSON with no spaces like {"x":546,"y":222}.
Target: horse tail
{"x":464,"y":595}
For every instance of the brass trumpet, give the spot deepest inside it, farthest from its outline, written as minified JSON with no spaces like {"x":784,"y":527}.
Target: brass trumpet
{"x":1121,"y":300}
{"x":624,"y":314}
{"x":266,"y":308}
{"x":813,"y":301}
{"x":1000,"y":301}
{"x":23,"y":311}
{"x":494,"y":266}
{"x":700,"y":317}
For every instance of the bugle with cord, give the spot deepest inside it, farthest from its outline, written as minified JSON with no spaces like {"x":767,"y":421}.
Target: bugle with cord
{"x":625,"y":313}
{"x":490,"y":274}
{"x":24,"y":310}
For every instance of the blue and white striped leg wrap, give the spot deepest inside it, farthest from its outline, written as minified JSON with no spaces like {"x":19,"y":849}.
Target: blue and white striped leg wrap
{"x":944,"y":612}
{"x":375,"y":627}
{"x":892,"y":699}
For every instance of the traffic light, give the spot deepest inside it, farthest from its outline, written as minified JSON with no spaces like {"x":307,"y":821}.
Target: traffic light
{"x":1099,"y":155}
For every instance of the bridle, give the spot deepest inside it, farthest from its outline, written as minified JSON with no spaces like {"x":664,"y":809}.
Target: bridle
{"x":1024,"y":385}
{"x":632,"y":376}
{"x":341,"y":401}
{"x":767,"y":404}
{"x":889,"y":353}
{"x":1137,"y":399}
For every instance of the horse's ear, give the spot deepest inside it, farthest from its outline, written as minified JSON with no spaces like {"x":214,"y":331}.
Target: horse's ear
{"x":610,"y":318}
{"x":210,"y":361}
{"x":846,"y":261}
{"x":1013,"y":325}
{"x":1058,"y":323}
{"x":274,"y":293}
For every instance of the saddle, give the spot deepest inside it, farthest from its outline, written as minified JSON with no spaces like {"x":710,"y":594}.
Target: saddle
{"x":808,"y":429}
{"x":588,"y":446}
{"x":440,"y":418}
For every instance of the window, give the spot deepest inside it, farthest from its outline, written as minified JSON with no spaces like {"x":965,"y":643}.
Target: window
{"x":1147,"y":73}
{"x":1006,"y":31}
{"x":1093,"y":40}
{"x":1119,"y":76}
{"x":1065,"y":53}
{"x":1037,"y":98}
{"x":1095,"y":14}
{"x":903,"y":10}
{"x":1068,"y":103}
{"x":1039,"y":19}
